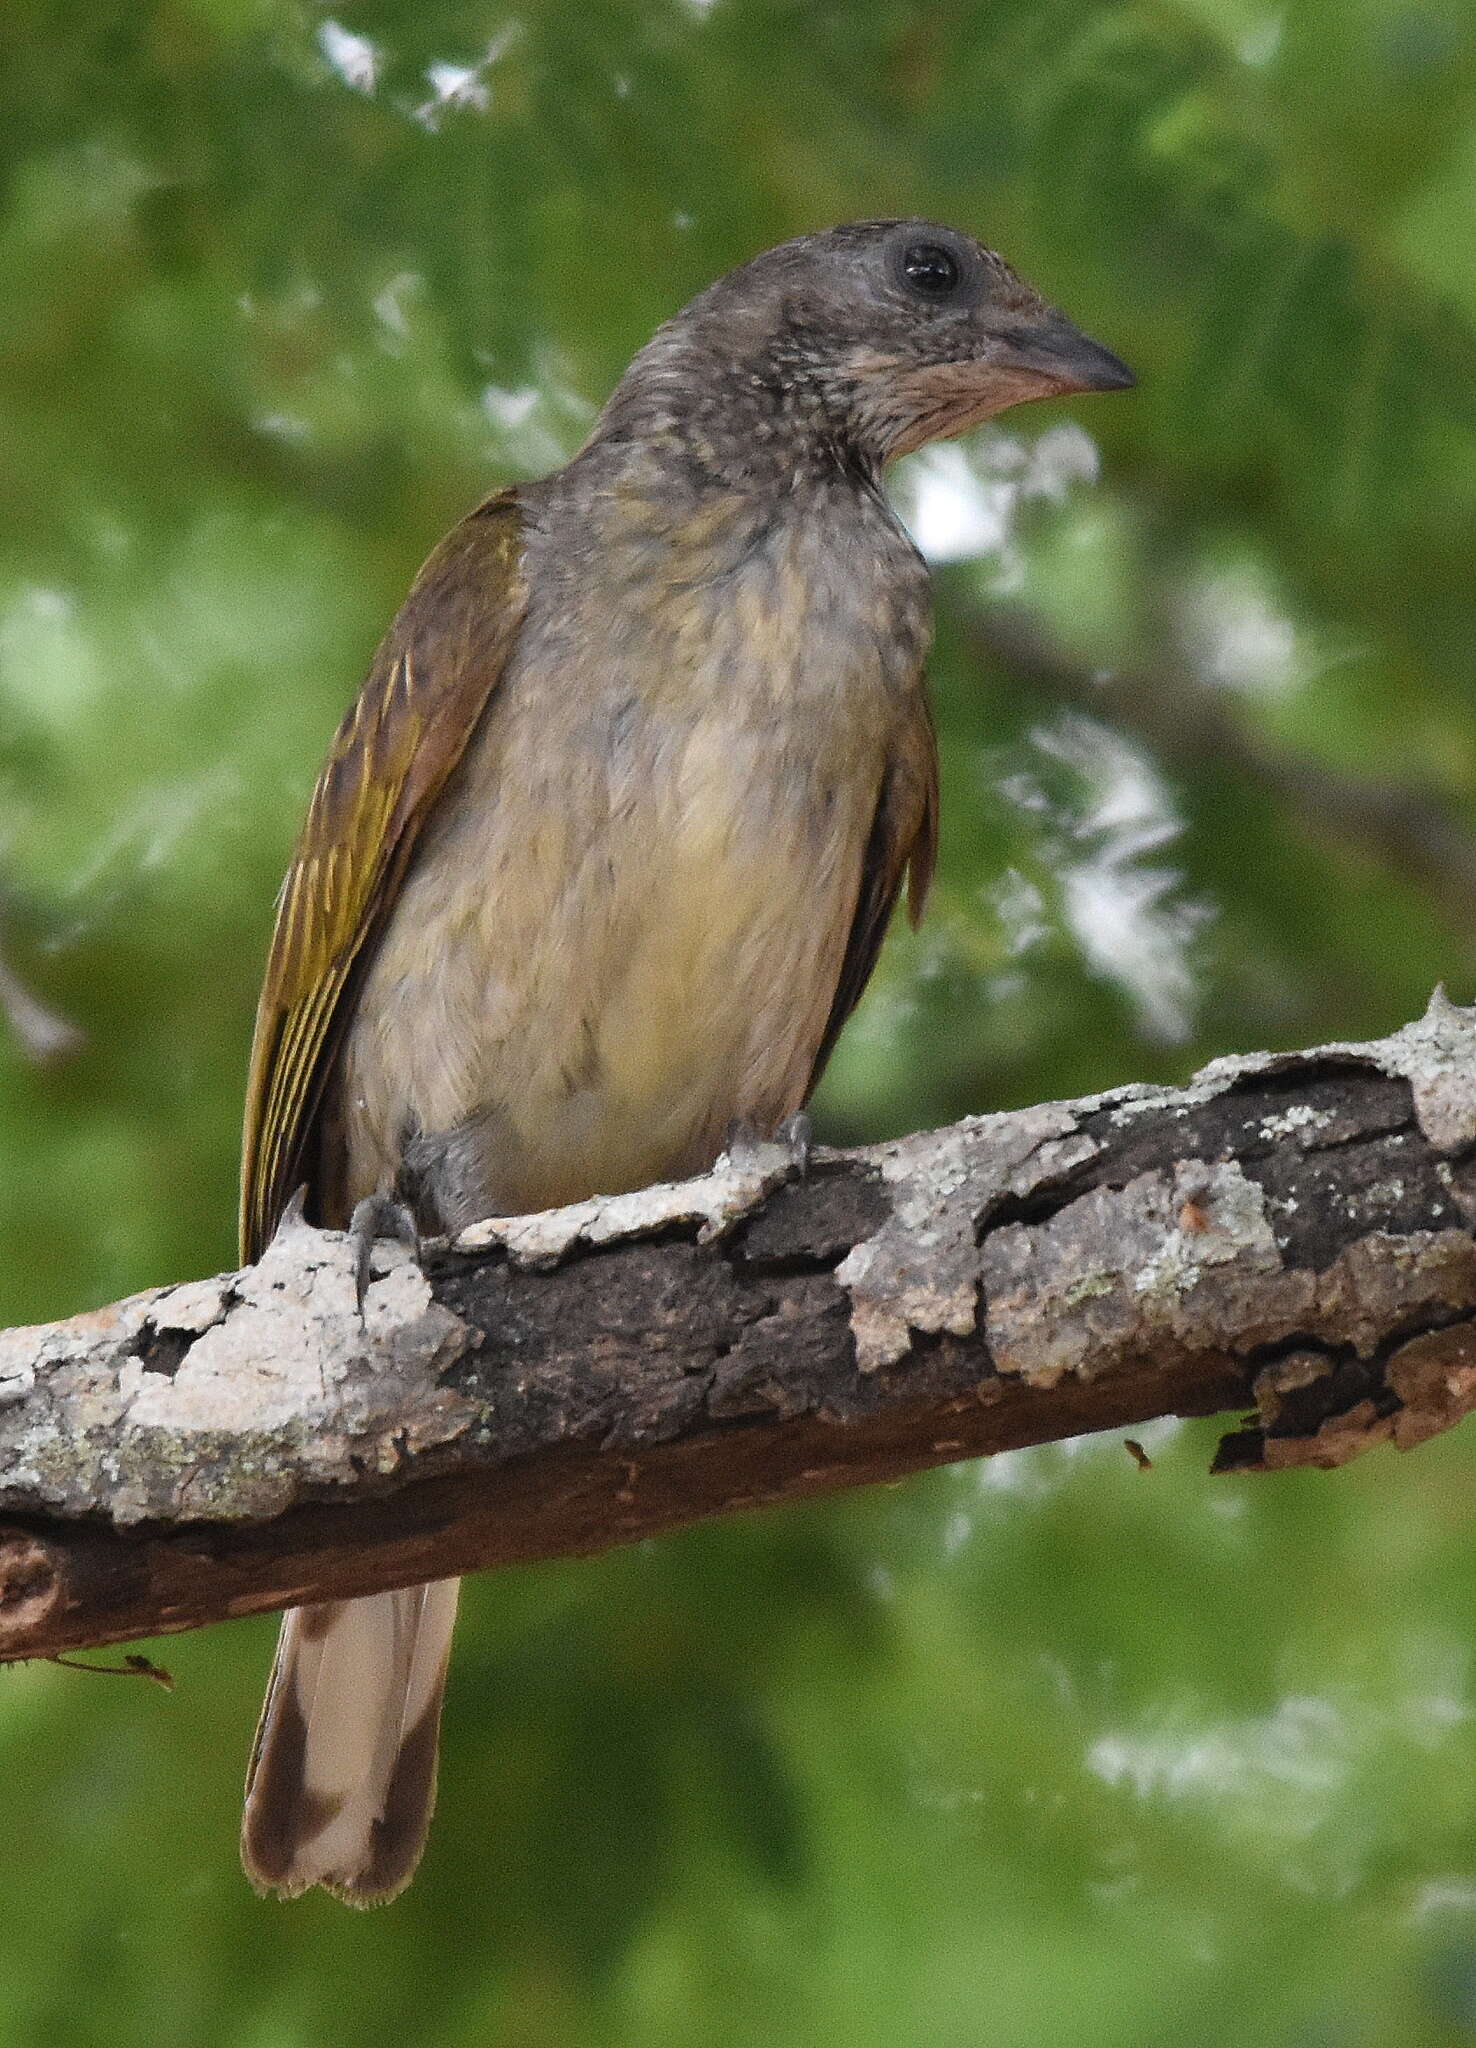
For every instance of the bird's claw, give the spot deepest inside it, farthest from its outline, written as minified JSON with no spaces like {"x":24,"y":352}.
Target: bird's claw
{"x":378,"y":1216}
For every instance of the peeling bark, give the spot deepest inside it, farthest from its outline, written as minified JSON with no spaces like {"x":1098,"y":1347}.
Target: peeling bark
{"x":1290,"y":1235}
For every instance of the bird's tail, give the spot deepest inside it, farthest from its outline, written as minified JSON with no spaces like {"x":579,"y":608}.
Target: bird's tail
{"x":343,"y":1775}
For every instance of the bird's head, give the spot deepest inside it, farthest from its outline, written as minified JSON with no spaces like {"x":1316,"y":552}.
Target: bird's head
{"x":880,"y":334}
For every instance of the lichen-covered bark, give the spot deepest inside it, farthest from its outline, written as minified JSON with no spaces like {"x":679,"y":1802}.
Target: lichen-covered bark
{"x":1290,"y":1235}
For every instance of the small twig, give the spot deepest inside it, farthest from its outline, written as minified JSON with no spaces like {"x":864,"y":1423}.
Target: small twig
{"x":133,"y":1666}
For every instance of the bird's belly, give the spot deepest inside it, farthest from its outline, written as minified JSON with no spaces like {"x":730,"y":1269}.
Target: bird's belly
{"x":587,"y":1006}
{"x":710,"y":1002}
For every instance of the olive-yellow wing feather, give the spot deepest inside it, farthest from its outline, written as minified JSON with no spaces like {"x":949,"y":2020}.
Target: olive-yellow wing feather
{"x":389,"y":760}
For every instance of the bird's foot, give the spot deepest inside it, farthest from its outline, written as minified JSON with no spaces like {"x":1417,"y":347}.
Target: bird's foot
{"x":746,"y":1147}
{"x":378,"y":1216}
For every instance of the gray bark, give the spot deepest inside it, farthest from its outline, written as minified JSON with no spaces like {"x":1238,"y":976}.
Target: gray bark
{"x":1290,"y":1235}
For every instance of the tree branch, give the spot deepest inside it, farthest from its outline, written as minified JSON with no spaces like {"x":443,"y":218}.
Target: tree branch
{"x":1290,"y":1235}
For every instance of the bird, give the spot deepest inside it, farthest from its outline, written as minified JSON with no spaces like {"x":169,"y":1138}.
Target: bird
{"x":602,"y":855}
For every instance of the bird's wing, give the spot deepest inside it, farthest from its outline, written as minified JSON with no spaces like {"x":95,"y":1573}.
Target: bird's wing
{"x":390,"y":758}
{"x":903,"y":841}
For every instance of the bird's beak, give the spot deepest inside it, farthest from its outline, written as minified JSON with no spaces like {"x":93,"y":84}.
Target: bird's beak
{"x":1054,"y":353}
{"x":1042,"y":356}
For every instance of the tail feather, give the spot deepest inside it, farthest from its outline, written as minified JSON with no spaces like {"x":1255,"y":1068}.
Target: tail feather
{"x":342,"y":1779}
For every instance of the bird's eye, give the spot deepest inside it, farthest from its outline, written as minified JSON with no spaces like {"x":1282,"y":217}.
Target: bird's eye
{"x":931,"y":269}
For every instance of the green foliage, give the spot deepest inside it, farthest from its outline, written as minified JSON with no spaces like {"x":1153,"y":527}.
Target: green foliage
{"x":1051,"y":1751}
